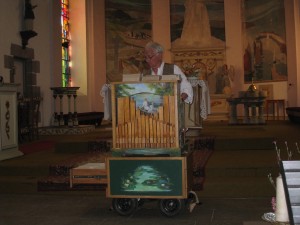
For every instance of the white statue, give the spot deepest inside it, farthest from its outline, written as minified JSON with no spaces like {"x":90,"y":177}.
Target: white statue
{"x":196,"y":28}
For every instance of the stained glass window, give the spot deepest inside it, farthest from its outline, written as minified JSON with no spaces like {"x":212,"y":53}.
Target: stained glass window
{"x":66,"y":49}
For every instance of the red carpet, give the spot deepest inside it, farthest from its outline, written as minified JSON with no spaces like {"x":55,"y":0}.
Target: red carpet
{"x":37,"y":146}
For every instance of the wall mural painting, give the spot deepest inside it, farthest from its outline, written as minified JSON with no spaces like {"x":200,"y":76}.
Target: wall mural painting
{"x":198,"y":41}
{"x":198,"y":22}
{"x":128,"y":28}
{"x":264,"y":40}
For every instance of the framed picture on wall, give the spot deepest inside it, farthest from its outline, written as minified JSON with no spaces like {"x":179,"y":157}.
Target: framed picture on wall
{"x":264,"y":40}
{"x":128,"y":27}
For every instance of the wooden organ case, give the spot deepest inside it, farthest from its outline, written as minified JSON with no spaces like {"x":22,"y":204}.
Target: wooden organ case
{"x":147,"y":151}
{"x":147,"y":115}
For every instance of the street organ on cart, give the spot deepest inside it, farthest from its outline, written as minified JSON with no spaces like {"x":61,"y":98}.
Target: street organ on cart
{"x":149,"y":157}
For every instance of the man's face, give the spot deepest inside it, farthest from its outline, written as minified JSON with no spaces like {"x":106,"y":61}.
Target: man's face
{"x":153,"y":58}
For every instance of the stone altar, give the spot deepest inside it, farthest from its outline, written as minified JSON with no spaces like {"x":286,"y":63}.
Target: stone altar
{"x":253,"y":107}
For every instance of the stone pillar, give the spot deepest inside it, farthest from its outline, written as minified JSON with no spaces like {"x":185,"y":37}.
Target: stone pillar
{"x":56,"y":123}
{"x":70,"y":120}
{"x":253,"y":114}
{"x":69,"y":92}
{"x":233,"y":111}
{"x":261,"y":118}
{"x":75,"y":120}
{"x":61,"y":116}
{"x":246,"y":113}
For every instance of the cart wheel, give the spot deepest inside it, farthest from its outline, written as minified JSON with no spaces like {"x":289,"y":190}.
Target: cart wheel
{"x":124,"y":206}
{"x":171,"y":207}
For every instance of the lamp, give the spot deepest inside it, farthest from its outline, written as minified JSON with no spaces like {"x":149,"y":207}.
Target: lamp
{"x":252,"y":87}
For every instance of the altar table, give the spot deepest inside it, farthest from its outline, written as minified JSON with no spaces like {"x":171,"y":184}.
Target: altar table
{"x":255,"y":104}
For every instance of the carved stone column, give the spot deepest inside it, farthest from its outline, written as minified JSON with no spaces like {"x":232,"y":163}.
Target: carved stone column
{"x":69,"y":92}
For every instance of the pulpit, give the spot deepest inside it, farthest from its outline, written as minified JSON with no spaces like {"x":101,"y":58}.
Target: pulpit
{"x":8,"y":122}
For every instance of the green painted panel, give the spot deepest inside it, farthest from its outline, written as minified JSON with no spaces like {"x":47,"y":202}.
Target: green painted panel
{"x":146,"y":177}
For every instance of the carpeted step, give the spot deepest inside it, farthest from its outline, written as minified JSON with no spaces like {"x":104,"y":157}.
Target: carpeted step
{"x":82,"y":146}
{"x":245,"y":163}
{"x":18,"y":184}
{"x":36,"y":164}
{"x":245,"y":143}
{"x":62,"y":183}
{"x":233,"y":187}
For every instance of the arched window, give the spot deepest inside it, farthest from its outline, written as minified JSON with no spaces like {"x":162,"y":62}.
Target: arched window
{"x":66,"y":48}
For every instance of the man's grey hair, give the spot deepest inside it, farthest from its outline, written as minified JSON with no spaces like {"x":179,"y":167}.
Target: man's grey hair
{"x":156,"y":46}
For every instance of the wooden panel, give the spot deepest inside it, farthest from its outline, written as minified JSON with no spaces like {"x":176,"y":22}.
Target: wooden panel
{"x":90,"y":173}
{"x":126,"y":110}
{"x":166,"y":109}
{"x":172,"y":110}
{"x":136,"y":127}
{"x":154,"y":177}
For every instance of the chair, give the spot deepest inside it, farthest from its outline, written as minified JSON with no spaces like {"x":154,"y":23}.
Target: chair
{"x":275,"y":108}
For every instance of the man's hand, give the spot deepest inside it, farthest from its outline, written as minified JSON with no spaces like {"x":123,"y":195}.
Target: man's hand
{"x":184,"y":96}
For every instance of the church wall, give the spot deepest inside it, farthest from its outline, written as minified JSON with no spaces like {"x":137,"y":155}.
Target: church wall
{"x":292,"y":9}
{"x":47,"y":50}
{"x":11,"y":24}
{"x":234,"y":50}
{"x":96,"y":59}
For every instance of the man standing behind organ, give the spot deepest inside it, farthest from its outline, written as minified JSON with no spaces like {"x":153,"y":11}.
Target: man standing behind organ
{"x":154,"y":58}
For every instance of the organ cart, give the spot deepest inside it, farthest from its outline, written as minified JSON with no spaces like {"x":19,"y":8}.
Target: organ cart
{"x":149,"y":157}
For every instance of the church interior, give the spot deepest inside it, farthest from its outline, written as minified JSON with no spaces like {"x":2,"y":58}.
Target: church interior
{"x":63,"y":66}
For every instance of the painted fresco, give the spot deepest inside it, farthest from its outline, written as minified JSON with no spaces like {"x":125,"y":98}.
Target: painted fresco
{"x":128,"y":28}
{"x":264,"y":40}
{"x":188,"y":15}
{"x":147,"y":96}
